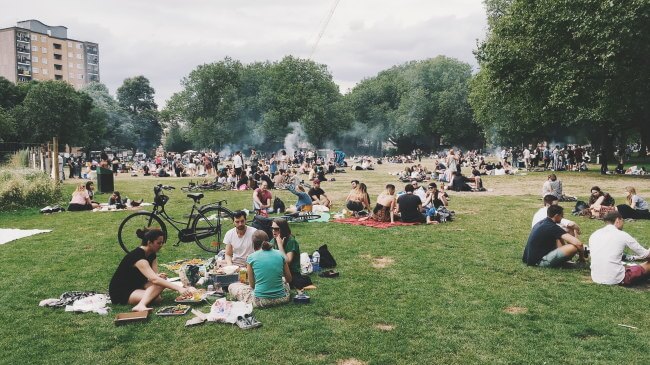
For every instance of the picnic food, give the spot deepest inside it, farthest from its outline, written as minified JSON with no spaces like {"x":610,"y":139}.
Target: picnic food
{"x":178,"y":309}
{"x":191,"y":297}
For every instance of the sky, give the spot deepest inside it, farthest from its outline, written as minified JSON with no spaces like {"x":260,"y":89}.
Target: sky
{"x":164,"y":40}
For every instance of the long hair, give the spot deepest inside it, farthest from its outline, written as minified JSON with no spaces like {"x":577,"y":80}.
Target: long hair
{"x":632,"y":192}
{"x":285,"y":231}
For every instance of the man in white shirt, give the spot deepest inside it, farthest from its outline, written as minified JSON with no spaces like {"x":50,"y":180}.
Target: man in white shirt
{"x":568,"y":225}
{"x":239,"y":241}
{"x":527,"y":158}
{"x":607,"y":246}
{"x":419,"y":191}
{"x":238,"y":162}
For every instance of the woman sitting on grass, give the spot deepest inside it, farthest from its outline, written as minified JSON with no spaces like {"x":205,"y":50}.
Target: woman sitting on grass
{"x":81,"y":201}
{"x":286,"y":243}
{"x":358,"y":199}
{"x":600,"y":203}
{"x":266,"y":268}
{"x":136,"y":280}
{"x":384,"y":209}
{"x":636,"y":207}
{"x":303,"y":199}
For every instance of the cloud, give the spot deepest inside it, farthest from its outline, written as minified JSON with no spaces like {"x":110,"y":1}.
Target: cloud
{"x":164,"y":40}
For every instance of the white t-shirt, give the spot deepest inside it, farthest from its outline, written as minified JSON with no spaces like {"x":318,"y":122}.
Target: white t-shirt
{"x":241,"y":246}
{"x":238,"y":161}
{"x":543,"y":213}
{"x":526,"y":153}
{"x":421,"y":193}
{"x":607,"y":245}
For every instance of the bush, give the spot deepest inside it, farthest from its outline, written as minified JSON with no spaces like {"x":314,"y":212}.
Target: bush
{"x":27,"y":189}
{"x":20,"y":159}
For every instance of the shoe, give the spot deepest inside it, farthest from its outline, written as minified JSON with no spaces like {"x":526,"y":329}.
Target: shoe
{"x":329,"y":274}
{"x":252,"y":321}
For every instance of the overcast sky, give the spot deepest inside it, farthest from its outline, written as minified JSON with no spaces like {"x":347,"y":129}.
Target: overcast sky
{"x":166,"y":39}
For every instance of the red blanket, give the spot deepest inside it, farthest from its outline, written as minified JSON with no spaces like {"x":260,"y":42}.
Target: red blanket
{"x":372,"y":223}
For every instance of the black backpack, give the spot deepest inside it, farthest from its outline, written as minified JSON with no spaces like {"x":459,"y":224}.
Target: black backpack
{"x":326,"y":258}
{"x":263,"y":223}
{"x":278,"y":205}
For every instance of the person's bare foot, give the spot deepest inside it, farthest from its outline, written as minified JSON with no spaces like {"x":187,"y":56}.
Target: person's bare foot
{"x":141,"y":308}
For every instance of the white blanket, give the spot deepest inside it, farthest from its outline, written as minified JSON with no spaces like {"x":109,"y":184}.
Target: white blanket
{"x":10,"y":234}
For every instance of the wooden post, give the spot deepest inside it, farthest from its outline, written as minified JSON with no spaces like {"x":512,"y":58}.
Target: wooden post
{"x":55,"y":158}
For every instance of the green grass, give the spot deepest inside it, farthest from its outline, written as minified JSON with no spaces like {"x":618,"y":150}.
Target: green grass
{"x":445,"y":294}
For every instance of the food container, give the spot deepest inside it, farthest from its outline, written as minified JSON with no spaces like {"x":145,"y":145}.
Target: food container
{"x":301,"y":298}
{"x":225,"y":279}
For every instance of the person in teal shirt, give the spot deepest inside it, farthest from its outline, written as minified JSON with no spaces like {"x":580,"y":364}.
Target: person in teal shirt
{"x":266,"y":268}
{"x":286,"y":244}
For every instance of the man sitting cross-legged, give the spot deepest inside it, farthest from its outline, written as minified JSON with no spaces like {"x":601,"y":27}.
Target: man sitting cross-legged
{"x":549,"y":245}
{"x":607,"y":246}
{"x":263,"y":199}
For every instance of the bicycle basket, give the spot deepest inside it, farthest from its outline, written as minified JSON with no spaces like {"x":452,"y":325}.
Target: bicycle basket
{"x":161,"y":200}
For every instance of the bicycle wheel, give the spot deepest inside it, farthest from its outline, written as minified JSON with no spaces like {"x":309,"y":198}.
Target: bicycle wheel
{"x":126,"y":234}
{"x":210,"y":226}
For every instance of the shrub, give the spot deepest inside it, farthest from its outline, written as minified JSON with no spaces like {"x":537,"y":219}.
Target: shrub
{"x":20,"y":159}
{"x":27,"y":188}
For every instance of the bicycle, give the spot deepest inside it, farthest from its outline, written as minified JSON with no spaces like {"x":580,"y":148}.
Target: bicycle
{"x":206,"y":225}
{"x":304,"y":215}
{"x":209,"y":186}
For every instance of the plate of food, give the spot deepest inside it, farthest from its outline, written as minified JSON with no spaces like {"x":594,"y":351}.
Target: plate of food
{"x":195,"y":297}
{"x":174,"y":310}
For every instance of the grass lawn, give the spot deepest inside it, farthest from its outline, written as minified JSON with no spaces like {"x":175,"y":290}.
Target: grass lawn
{"x":454,"y":293}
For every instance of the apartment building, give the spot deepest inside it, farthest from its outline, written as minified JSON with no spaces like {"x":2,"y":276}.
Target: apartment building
{"x":34,"y":51}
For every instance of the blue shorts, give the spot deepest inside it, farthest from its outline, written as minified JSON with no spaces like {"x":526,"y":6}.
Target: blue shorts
{"x":554,"y":258}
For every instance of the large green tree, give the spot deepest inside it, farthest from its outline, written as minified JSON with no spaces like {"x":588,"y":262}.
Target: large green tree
{"x":120,"y":131}
{"x":137,"y":97}
{"x":582,"y":64}
{"x":55,"y":109}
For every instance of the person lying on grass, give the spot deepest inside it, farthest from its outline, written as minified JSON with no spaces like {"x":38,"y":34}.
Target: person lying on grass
{"x":136,"y":280}
{"x":549,"y":245}
{"x":607,"y":246}
{"x":569,"y":226}
{"x":266,"y":268}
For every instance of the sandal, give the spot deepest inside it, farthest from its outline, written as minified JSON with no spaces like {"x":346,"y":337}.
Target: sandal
{"x":252,"y":321}
{"x":329,"y":274}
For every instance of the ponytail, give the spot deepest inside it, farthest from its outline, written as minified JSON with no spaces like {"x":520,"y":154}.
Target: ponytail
{"x":266,"y":246}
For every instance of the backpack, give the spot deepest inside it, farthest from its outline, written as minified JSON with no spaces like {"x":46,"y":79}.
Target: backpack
{"x":326,"y":258}
{"x":278,"y":205}
{"x":263,"y":223}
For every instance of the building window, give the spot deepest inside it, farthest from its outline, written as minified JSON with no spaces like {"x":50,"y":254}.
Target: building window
{"x":43,"y":39}
{"x":35,"y":70}
{"x":57,"y":56}
{"x":57,"y":46}
{"x":58,"y":67}
{"x":35,"y":58}
{"x":44,"y":71}
{"x":80,"y":66}
{"x":34,"y":48}
{"x":34,"y":37}
{"x":69,"y":44}
{"x":43,"y":49}
{"x":79,"y":57}
{"x":81,"y":77}
{"x":58,"y":77}
{"x":79,"y":45}
{"x":44,"y":60}
{"x":70,"y":55}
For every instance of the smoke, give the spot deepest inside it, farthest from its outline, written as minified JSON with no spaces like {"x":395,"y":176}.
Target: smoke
{"x":296,"y":140}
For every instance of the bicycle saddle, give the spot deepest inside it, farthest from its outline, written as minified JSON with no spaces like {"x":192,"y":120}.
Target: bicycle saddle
{"x":195,"y":196}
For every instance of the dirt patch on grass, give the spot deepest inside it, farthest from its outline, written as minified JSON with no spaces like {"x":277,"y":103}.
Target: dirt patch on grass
{"x":335,"y":318}
{"x":382,"y":262}
{"x":351,"y":362}
{"x":384,"y":327}
{"x":516,"y":310}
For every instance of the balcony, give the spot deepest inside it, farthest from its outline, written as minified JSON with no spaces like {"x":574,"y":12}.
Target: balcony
{"x":22,"y":49}
{"x":58,"y":56}
{"x":57,"y":46}
{"x":58,"y":77}
{"x":58,"y":67}
{"x":24,"y":78}
{"x":22,"y":37}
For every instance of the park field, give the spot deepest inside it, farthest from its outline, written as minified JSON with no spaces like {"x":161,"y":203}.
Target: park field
{"x":454,"y":293}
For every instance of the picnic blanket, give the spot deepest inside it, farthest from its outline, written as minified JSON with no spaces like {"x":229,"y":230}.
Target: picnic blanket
{"x":103,"y":207}
{"x":10,"y":234}
{"x":372,"y":223}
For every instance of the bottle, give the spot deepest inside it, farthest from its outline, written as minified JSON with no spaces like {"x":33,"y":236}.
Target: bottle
{"x":315,"y":258}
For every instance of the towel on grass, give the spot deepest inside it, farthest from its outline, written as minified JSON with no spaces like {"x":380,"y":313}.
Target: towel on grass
{"x":8,"y":235}
{"x":372,"y":223}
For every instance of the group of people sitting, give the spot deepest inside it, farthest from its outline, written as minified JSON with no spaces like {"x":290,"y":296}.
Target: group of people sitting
{"x":316,"y":196}
{"x":273,"y":267}
{"x":82,"y":199}
{"x":414,"y":205}
{"x":554,"y":241}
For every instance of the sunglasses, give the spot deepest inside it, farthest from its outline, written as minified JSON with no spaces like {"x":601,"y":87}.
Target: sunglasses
{"x":275,"y":228}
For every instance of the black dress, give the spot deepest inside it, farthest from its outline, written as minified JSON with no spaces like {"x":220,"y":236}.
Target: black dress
{"x":127,"y":277}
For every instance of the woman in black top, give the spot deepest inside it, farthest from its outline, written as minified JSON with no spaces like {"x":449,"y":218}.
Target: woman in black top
{"x":136,"y":280}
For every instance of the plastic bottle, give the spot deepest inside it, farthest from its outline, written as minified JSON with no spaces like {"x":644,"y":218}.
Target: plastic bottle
{"x":315,"y":258}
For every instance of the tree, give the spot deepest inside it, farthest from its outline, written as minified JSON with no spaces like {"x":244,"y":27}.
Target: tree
{"x":137,"y":97}
{"x":120,"y":131}
{"x":10,"y":94}
{"x":53,"y":109}
{"x":582,"y":64}
{"x":7,"y":126}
